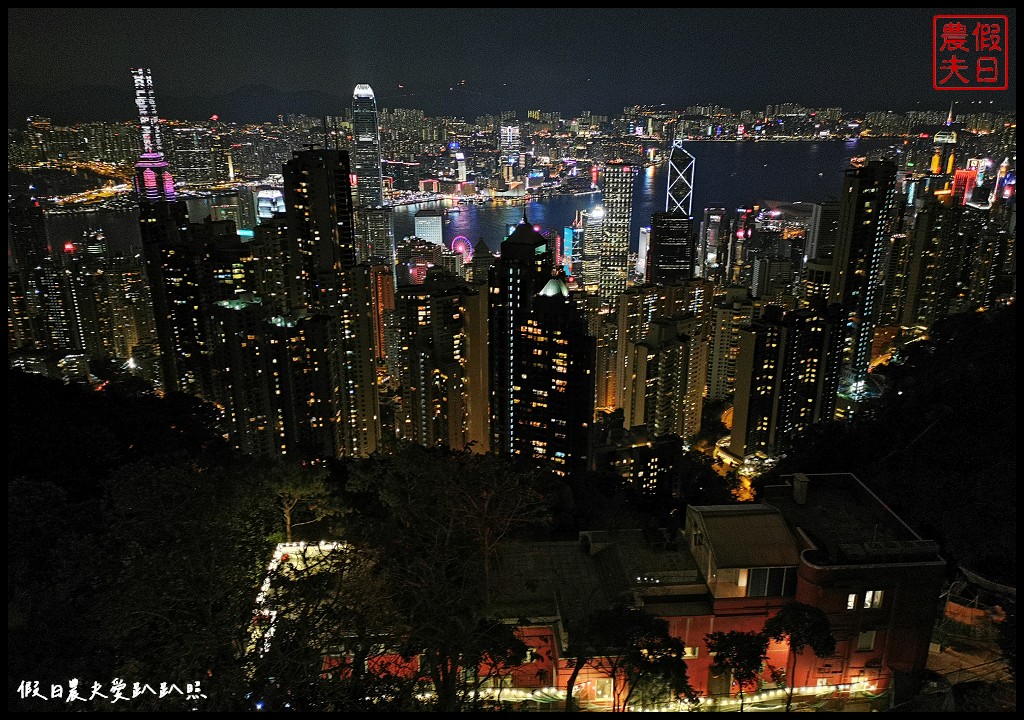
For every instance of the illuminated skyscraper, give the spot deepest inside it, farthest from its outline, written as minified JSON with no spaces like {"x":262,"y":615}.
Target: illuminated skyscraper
{"x":276,"y":379}
{"x":318,"y":196}
{"x":509,"y":148}
{"x":553,"y":392}
{"x":26,"y":233}
{"x":382,"y":288}
{"x":519,"y":274}
{"x":429,"y":225}
{"x":665,"y":388}
{"x":432,"y":364}
{"x":588,"y":240}
{"x":153,"y":179}
{"x":734,"y":311}
{"x":373,"y":229}
{"x":679,"y":197}
{"x":787,"y":377}
{"x":188,"y":266}
{"x":672,"y":256}
{"x":867,"y":207}
{"x":712,"y":249}
{"x":618,"y":206}
{"x":366,"y":148}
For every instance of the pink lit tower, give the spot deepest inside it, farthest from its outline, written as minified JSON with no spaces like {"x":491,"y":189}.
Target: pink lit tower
{"x":153,"y":179}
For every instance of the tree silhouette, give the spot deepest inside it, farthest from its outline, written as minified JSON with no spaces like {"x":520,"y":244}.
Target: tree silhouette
{"x":802,"y":626}
{"x":741,"y":653}
{"x":434,"y":518}
{"x":631,"y":645}
{"x":299,"y":488}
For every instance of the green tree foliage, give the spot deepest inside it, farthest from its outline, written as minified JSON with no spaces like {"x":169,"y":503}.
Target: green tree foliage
{"x":743,"y":654}
{"x":802,"y":626}
{"x":303,"y":493}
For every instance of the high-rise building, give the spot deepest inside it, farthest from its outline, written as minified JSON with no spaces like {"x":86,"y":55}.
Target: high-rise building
{"x":373,"y":229}
{"x":191,"y":152}
{"x":617,"y":192}
{"x":382,"y":289}
{"x":509,"y":150}
{"x":773,"y":276}
{"x":665,"y":388}
{"x":276,"y":378}
{"x":429,"y":225}
{"x":517,"y":277}
{"x":26,"y":233}
{"x":182,"y":283}
{"x":787,"y":377}
{"x":153,"y":180}
{"x":475,"y":313}
{"x":483,"y":260}
{"x":679,"y":193}
{"x":817,"y":277}
{"x":25,"y":325}
{"x":734,"y":311}
{"x":376,"y":227}
{"x":589,"y":242}
{"x":431,"y":323}
{"x":189,"y":267}
{"x":318,"y":197}
{"x":366,"y":148}
{"x":866,"y":209}
{"x":553,"y":390}
{"x":87,"y":295}
{"x":712,"y":251}
{"x":642,"y":251}
{"x":672,"y":255}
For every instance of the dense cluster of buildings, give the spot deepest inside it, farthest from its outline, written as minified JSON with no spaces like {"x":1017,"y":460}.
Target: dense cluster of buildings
{"x":294,"y":310}
{"x":779,"y":309}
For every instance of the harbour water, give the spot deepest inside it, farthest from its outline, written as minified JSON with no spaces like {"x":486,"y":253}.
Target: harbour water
{"x":727,"y":174}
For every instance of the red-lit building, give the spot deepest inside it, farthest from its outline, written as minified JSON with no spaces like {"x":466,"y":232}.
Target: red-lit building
{"x":824,"y":540}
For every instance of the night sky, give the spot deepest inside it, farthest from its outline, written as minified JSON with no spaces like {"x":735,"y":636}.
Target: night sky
{"x":252,"y":64}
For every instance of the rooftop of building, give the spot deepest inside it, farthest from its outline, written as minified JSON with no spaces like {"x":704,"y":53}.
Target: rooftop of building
{"x":748,"y":535}
{"x":571,"y":578}
{"x":846,"y":521}
{"x":526,"y":234}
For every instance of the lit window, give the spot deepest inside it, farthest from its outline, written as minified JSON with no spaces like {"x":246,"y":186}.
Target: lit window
{"x":851,"y":601}
{"x":866,"y":640}
{"x":873,"y":599}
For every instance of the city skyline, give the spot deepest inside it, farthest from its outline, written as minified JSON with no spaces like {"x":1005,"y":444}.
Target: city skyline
{"x":252,"y":66}
{"x":498,"y":393}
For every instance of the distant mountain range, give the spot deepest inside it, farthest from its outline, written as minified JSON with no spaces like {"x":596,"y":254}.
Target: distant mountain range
{"x":253,"y":103}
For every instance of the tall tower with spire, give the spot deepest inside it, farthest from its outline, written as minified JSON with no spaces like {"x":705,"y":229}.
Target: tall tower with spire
{"x":153,"y":180}
{"x":374,"y":224}
{"x":366,"y":148}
